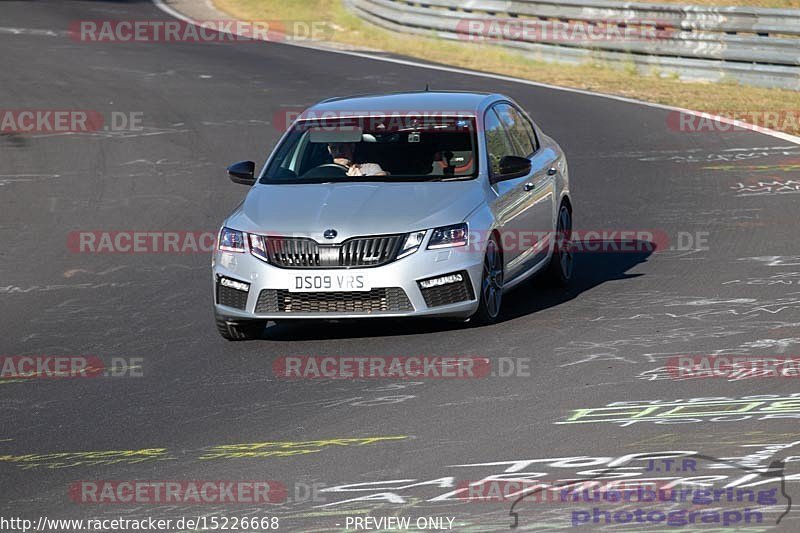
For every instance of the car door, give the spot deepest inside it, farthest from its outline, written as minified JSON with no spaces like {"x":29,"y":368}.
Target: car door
{"x":513,"y":200}
{"x":539,"y":186}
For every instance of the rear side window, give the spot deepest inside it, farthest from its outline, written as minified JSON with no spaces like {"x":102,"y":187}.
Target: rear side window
{"x":498,"y":144}
{"x":531,"y":132}
{"x":519,"y":129}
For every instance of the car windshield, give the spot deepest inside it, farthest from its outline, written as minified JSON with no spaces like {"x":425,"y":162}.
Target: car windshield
{"x":377,"y":148}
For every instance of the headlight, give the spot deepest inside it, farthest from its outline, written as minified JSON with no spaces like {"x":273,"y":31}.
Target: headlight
{"x":449,"y":236}
{"x":258,"y":246}
{"x":230,"y":240}
{"x":411,"y":243}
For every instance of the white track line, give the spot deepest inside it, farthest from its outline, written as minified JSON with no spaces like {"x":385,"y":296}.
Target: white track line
{"x":160,"y":4}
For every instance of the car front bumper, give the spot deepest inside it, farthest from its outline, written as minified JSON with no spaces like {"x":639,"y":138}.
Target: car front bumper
{"x":395,"y":291}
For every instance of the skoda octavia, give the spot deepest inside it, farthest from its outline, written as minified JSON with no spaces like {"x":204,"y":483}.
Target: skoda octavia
{"x":394,"y":205}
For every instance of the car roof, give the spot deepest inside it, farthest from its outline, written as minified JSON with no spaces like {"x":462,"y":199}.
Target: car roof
{"x":406,"y":102}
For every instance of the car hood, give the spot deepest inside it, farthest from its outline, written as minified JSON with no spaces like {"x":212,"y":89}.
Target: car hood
{"x":354,"y":209}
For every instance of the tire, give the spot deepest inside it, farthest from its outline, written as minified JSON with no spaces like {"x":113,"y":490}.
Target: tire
{"x":562,"y":262}
{"x":239,"y":330}
{"x":491,"y":297}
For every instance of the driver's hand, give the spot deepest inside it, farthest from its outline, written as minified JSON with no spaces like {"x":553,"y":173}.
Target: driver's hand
{"x":353,"y":170}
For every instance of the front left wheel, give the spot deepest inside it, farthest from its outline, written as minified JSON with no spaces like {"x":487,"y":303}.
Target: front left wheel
{"x":491,"y":296}
{"x":239,"y":330}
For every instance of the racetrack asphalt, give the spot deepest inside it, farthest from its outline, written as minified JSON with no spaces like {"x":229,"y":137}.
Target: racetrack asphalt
{"x":728,"y":282}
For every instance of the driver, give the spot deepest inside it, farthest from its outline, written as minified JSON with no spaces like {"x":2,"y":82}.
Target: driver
{"x":342,"y":154}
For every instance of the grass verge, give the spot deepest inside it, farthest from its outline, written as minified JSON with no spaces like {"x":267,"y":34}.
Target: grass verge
{"x":750,"y":104}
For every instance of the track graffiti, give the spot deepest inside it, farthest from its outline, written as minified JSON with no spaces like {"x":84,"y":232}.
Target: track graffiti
{"x":729,"y":155}
{"x":757,"y":465}
{"x":705,"y":439}
{"x":255,"y":450}
{"x":775,"y":260}
{"x":761,"y":188}
{"x":781,"y":279}
{"x":696,"y":410}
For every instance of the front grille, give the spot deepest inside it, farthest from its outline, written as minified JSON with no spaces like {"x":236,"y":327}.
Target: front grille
{"x":373,"y":301}
{"x":231,"y":297}
{"x":450,"y":293}
{"x":294,"y":252}
{"x":369,"y":251}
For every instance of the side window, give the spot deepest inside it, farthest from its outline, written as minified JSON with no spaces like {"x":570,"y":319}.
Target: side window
{"x":531,"y":132}
{"x":497,"y":142}
{"x":519,"y":128}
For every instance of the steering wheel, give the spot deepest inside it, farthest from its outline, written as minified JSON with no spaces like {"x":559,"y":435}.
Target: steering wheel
{"x":323,"y":171}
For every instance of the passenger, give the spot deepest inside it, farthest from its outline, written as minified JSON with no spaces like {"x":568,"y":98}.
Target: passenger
{"x":342,"y":154}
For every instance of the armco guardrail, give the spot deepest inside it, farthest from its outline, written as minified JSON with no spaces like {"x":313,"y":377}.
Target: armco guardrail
{"x":749,"y":45}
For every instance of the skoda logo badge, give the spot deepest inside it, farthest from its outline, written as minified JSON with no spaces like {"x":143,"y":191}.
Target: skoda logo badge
{"x":330,"y":234}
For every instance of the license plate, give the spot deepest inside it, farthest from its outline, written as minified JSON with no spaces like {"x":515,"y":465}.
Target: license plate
{"x":328,"y":282}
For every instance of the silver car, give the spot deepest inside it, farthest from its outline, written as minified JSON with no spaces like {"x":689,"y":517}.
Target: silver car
{"x":396,"y":205}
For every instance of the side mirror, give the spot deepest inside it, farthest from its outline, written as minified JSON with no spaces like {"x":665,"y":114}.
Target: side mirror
{"x":243,"y":172}
{"x":512,"y":166}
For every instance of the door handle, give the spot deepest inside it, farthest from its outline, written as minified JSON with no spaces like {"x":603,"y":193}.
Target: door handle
{"x":552,"y":171}
{"x":529,"y":187}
